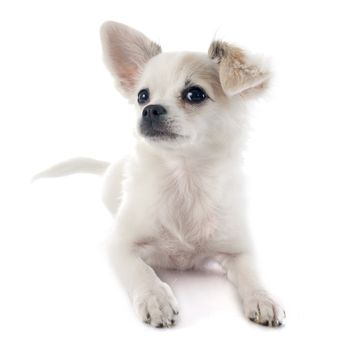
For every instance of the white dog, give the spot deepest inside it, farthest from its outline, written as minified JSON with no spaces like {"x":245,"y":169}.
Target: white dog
{"x":179,"y":200}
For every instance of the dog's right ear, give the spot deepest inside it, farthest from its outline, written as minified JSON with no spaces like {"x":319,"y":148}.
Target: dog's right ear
{"x":239,"y":72}
{"x":126,"y":51}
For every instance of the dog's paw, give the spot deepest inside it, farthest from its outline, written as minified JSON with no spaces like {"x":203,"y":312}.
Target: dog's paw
{"x":157,"y":306}
{"x":260,"y":308}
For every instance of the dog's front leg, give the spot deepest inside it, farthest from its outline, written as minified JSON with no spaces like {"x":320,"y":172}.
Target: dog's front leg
{"x":152,"y":299}
{"x":258,"y":305}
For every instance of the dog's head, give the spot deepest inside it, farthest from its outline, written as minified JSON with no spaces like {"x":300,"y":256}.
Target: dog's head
{"x":183,"y":99}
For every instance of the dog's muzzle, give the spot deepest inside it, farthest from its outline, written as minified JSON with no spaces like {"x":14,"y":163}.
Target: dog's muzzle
{"x":154,"y":122}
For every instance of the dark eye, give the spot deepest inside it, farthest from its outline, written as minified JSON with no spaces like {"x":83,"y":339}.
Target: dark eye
{"x":194,"y":94}
{"x":143,"y":96}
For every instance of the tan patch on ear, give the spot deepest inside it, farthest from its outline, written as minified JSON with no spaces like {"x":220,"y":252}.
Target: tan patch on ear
{"x":220,"y":49}
{"x":256,"y":90}
{"x":237,"y":75}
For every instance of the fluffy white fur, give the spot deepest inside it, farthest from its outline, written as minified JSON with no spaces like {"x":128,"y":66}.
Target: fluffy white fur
{"x":178,"y":202}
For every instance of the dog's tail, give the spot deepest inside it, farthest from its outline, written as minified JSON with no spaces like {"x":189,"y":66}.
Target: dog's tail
{"x":74,"y":166}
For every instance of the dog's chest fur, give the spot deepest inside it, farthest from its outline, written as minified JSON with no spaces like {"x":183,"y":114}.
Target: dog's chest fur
{"x":187,"y":204}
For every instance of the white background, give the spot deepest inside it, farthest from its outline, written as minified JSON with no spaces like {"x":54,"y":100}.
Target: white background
{"x":57,"y":100}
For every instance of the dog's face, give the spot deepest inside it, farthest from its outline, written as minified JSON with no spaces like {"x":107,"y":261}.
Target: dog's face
{"x":178,"y":96}
{"x":183,"y":99}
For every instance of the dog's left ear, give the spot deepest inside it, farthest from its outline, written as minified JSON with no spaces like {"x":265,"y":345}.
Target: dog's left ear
{"x":238,"y":72}
{"x":126,"y":52}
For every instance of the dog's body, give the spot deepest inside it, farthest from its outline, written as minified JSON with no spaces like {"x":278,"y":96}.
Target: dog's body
{"x":180,"y":206}
{"x":179,"y":200}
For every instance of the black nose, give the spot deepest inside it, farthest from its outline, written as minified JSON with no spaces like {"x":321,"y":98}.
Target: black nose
{"x":153,"y":113}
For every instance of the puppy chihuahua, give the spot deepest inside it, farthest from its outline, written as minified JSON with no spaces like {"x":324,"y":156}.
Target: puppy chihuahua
{"x":179,"y":199}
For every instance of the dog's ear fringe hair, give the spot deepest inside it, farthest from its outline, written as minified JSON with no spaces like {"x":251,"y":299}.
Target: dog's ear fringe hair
{"x":239,"y":72}
{"x":220,"y":49}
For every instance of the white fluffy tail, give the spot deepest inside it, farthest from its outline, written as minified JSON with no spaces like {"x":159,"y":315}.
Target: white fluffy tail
{"x":73,"y":166}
